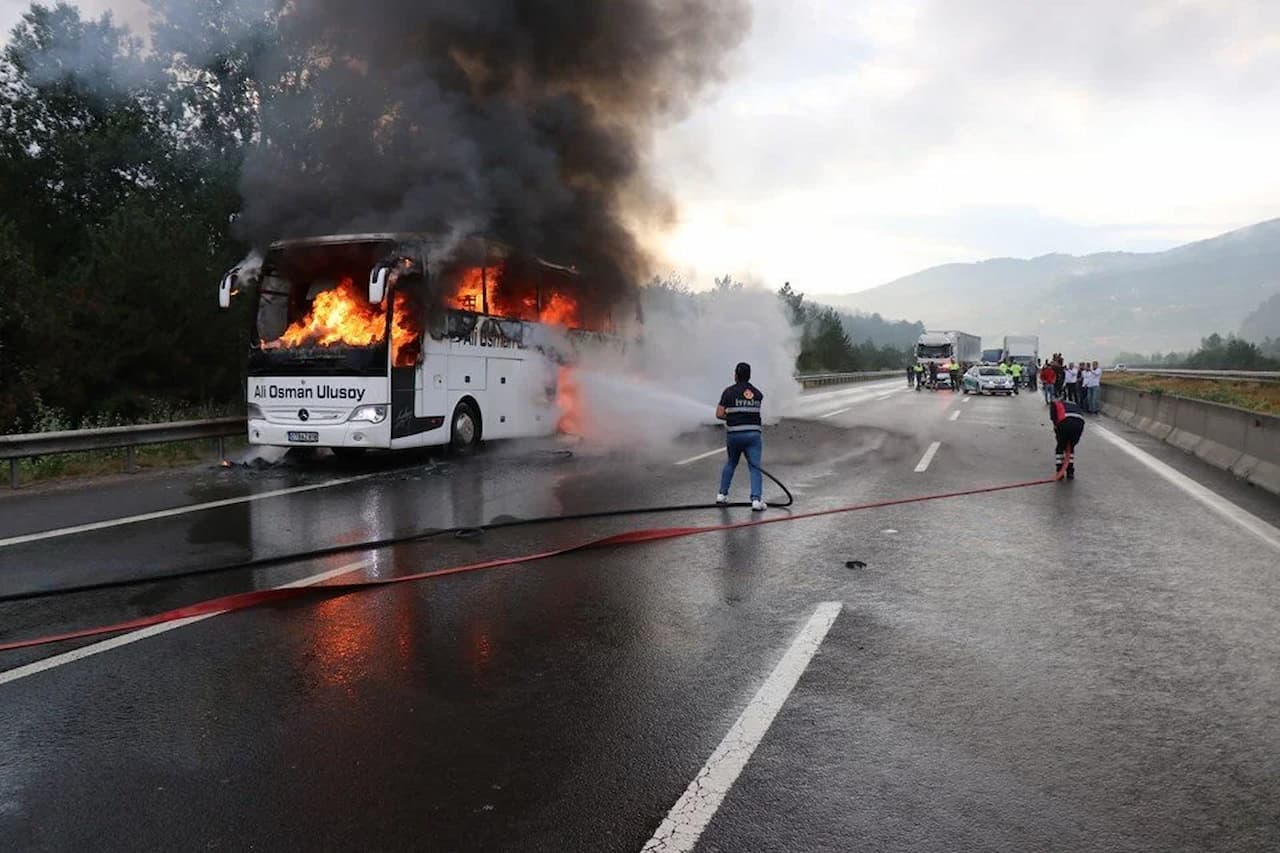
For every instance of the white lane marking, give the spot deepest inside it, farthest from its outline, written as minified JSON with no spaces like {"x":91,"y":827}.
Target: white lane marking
{"x":928,"y":457}
{"x":885,"y":396}
{"x":836,"y":412}
{"x":142,"y":634}
{"x":965,"y":399}
{"x":1266,"y":532}
{"x":701,"y":456}
{"x":955,"y":416}
{"x":700,"y":801}
{"x":181,"y":510}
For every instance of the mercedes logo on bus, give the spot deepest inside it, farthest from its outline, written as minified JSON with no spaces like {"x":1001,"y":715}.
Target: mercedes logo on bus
{"x":304,"y":415}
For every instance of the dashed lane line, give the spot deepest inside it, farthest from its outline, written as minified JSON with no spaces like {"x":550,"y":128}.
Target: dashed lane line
{"x":684,"y":824}
{"x":836,"y":412}
{"x":955,"y":416}
{"x":928,"y":457}
{"x":181,"y":510}
{"x":1266,"y":532}
{"x":134,"y":636}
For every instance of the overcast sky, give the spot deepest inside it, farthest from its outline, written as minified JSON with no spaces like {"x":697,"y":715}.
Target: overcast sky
{"x":855,"y":141}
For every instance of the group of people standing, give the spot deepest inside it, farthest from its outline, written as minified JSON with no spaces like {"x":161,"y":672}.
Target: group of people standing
{"x":1075,"y":383}
{"x":933,"y":375}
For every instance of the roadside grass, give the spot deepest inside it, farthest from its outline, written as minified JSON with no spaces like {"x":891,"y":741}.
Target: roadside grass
{"x":1254,"y":396}
{"x":97,"y":463}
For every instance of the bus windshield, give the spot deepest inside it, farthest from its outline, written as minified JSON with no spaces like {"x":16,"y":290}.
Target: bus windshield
{"x":314,"y":315}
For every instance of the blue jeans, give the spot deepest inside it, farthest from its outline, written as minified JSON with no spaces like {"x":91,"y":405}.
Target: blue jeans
{"x":1092,"y":395}
{"x":1048,"y":392}
{"x":750,"y":442}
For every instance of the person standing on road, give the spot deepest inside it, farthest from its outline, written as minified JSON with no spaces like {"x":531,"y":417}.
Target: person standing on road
{"x":1071,"y":374}
{"x":1092,"y":389}
{"x":911,"y":375}
{"x":1015,"y":370}
{"x":1048,"y":378}
{"x":740,"y":410}
{"x":1059,"y":378}
{"x":955,"y":375}
{"x":1068,"y":427}
{"x":1080,"y":374}
{"x":1033,"y":371}
{"x":919,"y":371}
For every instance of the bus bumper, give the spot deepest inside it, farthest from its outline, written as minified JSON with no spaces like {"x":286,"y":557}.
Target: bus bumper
{"x":347,"y":434}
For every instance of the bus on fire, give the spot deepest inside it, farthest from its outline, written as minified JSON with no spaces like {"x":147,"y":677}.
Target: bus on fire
{"x":473,"y":345}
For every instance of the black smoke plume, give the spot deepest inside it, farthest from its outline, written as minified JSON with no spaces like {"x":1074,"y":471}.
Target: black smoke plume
{"x":526,"y":121}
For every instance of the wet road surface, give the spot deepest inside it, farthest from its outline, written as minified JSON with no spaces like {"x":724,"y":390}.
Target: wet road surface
{"x":1084,"y":666}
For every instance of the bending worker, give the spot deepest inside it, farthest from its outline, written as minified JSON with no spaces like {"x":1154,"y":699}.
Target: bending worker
{"x":1068,"y":427}
{"x":740,"y":410}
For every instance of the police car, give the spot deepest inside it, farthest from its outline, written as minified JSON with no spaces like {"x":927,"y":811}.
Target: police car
{"x":982,"y":379}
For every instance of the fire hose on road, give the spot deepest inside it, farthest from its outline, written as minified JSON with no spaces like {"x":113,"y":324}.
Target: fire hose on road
{"x":245,"y":600}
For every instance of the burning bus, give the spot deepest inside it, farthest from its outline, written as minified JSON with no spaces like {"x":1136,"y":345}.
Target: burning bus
{"x":369,"y":341}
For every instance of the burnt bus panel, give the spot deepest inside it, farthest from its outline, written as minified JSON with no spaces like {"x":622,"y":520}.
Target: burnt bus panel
{"x":319,"y":361}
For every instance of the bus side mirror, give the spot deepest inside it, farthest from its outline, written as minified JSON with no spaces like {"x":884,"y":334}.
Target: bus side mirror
{"x":226,"y":289}
{"x":378,"y":284}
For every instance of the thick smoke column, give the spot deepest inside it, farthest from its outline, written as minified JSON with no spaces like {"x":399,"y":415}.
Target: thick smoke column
{"x":523,"y":120}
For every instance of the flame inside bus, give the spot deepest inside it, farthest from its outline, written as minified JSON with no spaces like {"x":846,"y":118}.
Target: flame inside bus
{"x":503,"y":291}
{"x":343,"y":316}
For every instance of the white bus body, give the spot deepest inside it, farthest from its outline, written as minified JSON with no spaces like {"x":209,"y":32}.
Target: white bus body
{"x":466,"y":376}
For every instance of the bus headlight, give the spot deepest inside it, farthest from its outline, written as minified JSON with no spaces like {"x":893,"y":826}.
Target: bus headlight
{"x":372,"y":414}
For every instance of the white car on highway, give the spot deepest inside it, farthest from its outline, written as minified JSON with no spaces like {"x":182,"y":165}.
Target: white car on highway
{"x":987,"y":380}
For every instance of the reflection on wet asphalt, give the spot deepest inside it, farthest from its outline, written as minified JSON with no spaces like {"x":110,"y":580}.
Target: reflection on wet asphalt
{"x":1084,"y":667}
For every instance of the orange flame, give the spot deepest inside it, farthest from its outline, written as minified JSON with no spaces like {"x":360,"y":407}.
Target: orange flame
{"x":343,"y":316}
{"x":560,"y":310}
{"x":568,"y":402}
{"x":469,"y":295}
{"x":557,"y":308}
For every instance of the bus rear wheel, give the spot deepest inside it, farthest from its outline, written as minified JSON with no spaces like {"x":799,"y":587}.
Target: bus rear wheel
{"x":464,"y":433}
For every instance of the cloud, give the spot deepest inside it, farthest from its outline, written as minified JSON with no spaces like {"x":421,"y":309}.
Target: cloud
{"x":861,"y":129}
{"x":131,"y":13}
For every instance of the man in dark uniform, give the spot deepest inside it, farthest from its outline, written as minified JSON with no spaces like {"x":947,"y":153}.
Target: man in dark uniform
{"x":1068,"y":426}
{"x":740,"y":410}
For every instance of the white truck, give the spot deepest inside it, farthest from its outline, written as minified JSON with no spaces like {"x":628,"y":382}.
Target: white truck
{"x":1024,"y":349}
{"x":948,"y":347}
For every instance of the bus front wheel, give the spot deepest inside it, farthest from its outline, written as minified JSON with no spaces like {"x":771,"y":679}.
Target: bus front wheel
{"x":464,"y":436}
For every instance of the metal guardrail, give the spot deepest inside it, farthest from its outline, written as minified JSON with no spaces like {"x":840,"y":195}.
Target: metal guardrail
{"x":1253,"y":375}
{"x":25,"y":446}
{"x":813,"y":380}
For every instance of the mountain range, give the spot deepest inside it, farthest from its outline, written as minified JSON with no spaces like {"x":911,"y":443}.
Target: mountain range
{"x":1093,"y":306}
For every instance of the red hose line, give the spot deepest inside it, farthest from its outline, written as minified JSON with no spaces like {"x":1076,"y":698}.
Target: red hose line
{"x":245,"y":600}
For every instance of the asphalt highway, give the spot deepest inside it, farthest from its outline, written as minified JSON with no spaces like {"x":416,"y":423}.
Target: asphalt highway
{"x":1078,"y":666}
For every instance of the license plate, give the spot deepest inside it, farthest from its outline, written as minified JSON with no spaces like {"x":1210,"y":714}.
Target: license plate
{"x":311,"y":437}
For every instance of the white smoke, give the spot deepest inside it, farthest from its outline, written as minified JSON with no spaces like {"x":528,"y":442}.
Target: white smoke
{"x":668,"y":378}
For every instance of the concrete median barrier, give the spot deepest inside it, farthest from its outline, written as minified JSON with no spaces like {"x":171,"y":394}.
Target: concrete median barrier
{"x":1245,"y":443}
